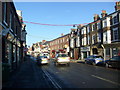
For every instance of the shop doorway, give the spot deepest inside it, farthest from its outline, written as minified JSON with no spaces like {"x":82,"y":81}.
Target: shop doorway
{"x":95,"y":51}
{"x":84,"y":54}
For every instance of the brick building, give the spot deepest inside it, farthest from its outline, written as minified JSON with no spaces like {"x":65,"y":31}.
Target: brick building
{"x":59,"y":45}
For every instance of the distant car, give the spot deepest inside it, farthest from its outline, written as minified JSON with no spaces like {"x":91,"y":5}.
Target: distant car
{"x":42,"y":60}
{"x":113,"y":62}
{"x":94,"y":60}
{"x":62,"y":59}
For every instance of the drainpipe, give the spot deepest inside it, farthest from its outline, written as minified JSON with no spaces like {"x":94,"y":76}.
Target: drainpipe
{"x":104,"y":51}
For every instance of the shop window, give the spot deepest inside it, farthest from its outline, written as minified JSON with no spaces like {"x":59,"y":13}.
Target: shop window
{"x":107,"y":51}
{"x":115,"y":51}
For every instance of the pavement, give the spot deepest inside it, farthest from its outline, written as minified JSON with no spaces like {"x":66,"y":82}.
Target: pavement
{"x":29,"y":75}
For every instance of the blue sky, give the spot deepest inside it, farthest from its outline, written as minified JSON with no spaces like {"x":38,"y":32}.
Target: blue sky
{"x":63,"y":13}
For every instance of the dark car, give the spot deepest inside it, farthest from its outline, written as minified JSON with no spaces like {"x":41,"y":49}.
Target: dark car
{"x":113,"y":62}
{"x":94,"y":60}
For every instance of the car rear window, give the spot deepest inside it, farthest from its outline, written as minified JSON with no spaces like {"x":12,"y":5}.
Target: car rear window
{"x":62,"y":55}
{"x":43,"y":56}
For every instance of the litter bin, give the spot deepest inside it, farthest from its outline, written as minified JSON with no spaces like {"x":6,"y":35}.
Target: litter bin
{"x":5,"y":71}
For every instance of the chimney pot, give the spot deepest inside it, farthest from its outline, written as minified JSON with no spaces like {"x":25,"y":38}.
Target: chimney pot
{"x":96,"y":17}
{"x":103,"y":14}
{"x":117,"y":6}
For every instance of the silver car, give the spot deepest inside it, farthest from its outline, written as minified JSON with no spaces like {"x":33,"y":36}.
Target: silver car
{"x":62,"y":59}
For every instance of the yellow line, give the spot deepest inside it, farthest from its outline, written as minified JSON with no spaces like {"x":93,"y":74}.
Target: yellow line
{"x":105,"y":80}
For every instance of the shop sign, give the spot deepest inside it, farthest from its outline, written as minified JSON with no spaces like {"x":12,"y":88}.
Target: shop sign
{"x":85,"y":48}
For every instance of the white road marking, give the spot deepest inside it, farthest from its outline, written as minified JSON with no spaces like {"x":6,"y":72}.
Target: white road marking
{"x":51,"y":79}
{"x":106,"y":80}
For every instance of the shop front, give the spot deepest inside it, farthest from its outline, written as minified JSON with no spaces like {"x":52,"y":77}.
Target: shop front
{"x":7,"y":54}
{"x":85,"y":52}
{"x":111,"y":50}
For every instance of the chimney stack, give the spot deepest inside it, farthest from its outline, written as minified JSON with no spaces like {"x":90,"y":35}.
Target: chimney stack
{"x":96,"y":17}
{"x":62,"y":34}
{"x":117,"y":6}
{"x":103,"y":14}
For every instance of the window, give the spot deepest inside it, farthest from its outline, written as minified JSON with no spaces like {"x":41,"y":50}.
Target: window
{"x":78,"y":41}
{"x":98,"y":25}
{"x":88,"y":40}
{"x":82,"y":41}
{"x":93,"y":39}
{"x":105,"y":37}
{"x":93,"y":27}
{"x":107,"y":51}
{"x":5,"y":13}
{"x":82,"y":32}
{"x":72,"y":43}
{"x":85,"y":41}
{"x":115,"y":33}
{"x":78,"y":32}
{"x":63,"y":39}
{"x":99,"y":37}
{"x":88,"y":29}
{"x":115,"y":20}
{"x":11,"y":20}
{"x":104,"y":23}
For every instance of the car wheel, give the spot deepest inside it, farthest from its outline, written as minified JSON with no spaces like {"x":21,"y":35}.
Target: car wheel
{"x":68,"y":64}
{"x":85,"y":62}
{"x":94,"y":63}
{"x":56,"y":64}
{"x":107,"y":65}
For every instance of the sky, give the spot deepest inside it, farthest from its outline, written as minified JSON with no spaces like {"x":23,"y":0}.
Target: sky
{"x":60,"y":13}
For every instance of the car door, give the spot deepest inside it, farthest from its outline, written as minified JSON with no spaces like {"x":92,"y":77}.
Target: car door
{"x":91,"y":59}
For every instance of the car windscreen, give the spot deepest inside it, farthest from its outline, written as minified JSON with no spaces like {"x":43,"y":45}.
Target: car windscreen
{"x":98,"y":57}
{"x":62,"y":55}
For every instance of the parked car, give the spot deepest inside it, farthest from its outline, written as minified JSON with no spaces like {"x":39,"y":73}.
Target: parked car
{"x":94,"y":60}
{"x":42,"y":60}
{"x":62,"y":59}
{"x":113,"y":62}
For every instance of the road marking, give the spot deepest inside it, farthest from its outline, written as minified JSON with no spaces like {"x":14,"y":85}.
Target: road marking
{"x":105,"y":80}
{"x":51,"y":79}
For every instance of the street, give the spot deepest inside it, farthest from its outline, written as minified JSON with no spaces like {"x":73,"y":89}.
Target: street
{"x":77,"y":75}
